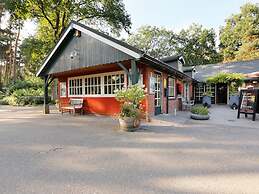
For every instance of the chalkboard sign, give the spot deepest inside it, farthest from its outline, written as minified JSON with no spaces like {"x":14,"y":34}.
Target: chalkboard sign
{"x":248,"y":102}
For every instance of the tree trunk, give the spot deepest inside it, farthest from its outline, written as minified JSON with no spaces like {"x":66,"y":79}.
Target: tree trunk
{"x":14,"y":61}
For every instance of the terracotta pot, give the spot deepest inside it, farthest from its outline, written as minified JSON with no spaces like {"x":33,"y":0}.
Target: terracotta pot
{"x":128,"y":123}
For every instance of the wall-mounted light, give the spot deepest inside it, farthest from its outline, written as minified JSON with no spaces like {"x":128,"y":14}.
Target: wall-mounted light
{"x":74,"y":53}
{"x":77,"y":33}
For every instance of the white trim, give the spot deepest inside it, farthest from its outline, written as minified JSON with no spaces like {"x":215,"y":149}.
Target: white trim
{"x":94,"y":35}
{"x":102,"y":84}
{"x":107,"y":41}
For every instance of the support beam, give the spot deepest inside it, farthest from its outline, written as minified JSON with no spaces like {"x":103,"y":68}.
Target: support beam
{"x":46,"y":95}
{"x":134,"y":72}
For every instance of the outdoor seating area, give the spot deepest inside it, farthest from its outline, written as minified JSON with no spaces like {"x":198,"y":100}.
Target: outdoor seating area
{"x":75,"y":105}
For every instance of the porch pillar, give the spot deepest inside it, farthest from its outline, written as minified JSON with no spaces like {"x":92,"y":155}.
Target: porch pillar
{"x":46,"y":96}
{"x":134,"y":72}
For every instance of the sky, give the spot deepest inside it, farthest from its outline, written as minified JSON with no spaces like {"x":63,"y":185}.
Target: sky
{"x":173,"y":14}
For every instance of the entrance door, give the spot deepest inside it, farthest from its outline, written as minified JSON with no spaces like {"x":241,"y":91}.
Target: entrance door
{"x":222,"y":93}
{"x":158,"y":94}
{"x":186,"y":94}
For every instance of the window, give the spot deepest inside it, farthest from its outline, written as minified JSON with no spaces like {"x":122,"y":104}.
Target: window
{"x":113,"y":82}
{"x":75,"y":86}
{"x":99,"y":84}
{"x":92,"y":85}
{"x":63,"y":89}
{"x":171,"y":87}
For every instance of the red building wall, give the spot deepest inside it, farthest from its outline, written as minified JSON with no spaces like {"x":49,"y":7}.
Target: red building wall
{"x":109,"y":105}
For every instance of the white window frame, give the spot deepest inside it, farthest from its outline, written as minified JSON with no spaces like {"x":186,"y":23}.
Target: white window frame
{"x":102,"y":84}
{"x":75,"y":78}
{"x":63,"y":83}
{"x":174,"y":87}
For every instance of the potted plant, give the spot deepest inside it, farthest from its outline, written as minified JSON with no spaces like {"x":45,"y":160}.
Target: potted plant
{"x":130,"y":114}
{"x":206,"y":100}
{"x":199,"y":113}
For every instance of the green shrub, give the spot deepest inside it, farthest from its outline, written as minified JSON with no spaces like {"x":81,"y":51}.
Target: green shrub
{"x":129,"y":110}
{"x":2,"y":95}
{"x":29,"y":82}
{"x":130,"y":99}
{"x":200,"y":110}
{"x":3,"y":102}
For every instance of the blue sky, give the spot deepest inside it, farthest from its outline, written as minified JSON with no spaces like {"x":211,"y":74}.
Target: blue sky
{"x":174,"y":14}
{"x":178,"y":14}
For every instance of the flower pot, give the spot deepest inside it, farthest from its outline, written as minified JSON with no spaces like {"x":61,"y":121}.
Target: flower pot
{"x":128,"y":123}
{"x":199,"y":117}
{"x":233,"y":101}
{"x":206,"y":101}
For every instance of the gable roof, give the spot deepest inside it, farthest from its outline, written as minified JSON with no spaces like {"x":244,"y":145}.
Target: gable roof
{"x":117,"y":44}
{"x":132,"y":51}
{"x":244,"y":67}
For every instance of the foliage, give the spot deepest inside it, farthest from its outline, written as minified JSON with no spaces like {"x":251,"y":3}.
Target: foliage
{"x":33,"y":51}
{"x":207,"y":93}
{"x":52,"y":17}
{"x":196,"y":43}
{"x":130,"y":99}
{"x":29,"y":82}
{"x":227,"y":78}
{"x":200,"y":110}
{"x":133,"y":94}
{"x":239,"y":38}
{"x":154,"y":41}
{"x":129,"y":110}
{"x":57,"y":14}
{"x":24,"y":92}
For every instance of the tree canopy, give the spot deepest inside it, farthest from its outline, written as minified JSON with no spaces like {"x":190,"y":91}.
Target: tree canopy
{"x":53,"y":16}
{"x":239,"y":38}
{"x":155,"y":41}
{"x":196,"y":43}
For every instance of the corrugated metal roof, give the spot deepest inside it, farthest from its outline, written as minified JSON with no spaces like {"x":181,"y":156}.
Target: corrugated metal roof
{"x":244,"y":67}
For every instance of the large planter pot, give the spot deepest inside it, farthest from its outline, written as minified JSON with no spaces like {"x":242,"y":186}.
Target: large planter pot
{"x":233,"y":101}
{"x":129,"y":123}
{"x":206,"y":101}
{"x":199,"y":117}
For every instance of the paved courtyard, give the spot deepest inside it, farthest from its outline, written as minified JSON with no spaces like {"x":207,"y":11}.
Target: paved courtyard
{"x":87,"y":155}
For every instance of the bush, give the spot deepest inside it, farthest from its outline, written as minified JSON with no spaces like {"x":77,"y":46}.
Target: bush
{"x":129,"y":110}
{"x":24,"y":92}
{"x":2,"y":95}
{"x":130,"y":99}
{"x":29,"y":82}
{"x":200,"y":110}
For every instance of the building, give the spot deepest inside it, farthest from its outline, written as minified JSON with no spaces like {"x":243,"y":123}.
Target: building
{"x":89,"y":64}
{"x":220,"y":92}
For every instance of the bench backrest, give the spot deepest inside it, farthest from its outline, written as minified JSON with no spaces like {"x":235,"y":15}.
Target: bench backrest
{"x":76,"y":101}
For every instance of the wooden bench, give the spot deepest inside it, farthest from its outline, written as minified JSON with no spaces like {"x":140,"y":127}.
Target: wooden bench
{"x":75,"y":104}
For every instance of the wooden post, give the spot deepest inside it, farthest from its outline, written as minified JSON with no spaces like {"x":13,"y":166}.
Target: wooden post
{"x":134,"y":72}
{"x":46,"y":96}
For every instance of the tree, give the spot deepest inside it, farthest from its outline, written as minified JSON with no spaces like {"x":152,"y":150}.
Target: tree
{"x":154,"y":41}
{"x":198,"y":45}
{"x":53,"y":16}
{"x":58,"y":13}
{"x":32,"y":52}
{"x":239,"y":38}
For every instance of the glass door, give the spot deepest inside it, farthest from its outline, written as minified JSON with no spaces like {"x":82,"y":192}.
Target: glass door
{"x":158,"y":93}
